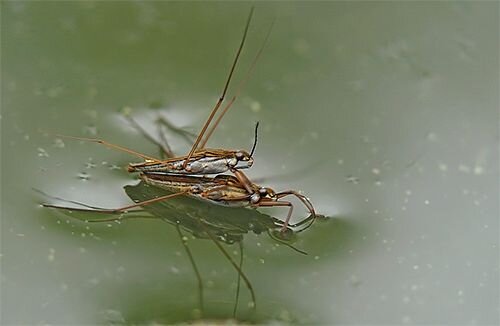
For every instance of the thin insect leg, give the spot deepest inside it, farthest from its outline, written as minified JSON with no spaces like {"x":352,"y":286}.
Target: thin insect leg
{"x":304,"y":200}
{"x":279,"y":203}
{"x":226,"y":254}
{"x":241,"y":85}
{"x":221,"y":99}
{"x":165,"y":148}
{"x":239,"y":281}
{"x":195,"y":268}
{"x":116,"y":210}
{"x":110,"y":145}
{"x":243,"y":179}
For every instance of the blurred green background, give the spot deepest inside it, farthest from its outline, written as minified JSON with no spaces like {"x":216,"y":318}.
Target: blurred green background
{"x":384,"y":113}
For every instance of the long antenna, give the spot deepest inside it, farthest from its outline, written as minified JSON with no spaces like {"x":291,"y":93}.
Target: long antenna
{"x":238,"y":90}
{"x":221,"y":99}
{"x":255,"y":139}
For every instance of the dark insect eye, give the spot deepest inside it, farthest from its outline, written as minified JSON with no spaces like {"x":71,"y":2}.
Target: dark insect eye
{"x":239,"y":155}
{"x":263,"y":191}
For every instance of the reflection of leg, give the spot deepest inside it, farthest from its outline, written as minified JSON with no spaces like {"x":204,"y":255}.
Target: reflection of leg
{"x":228,"y":257}
{"x":165,"y":149}
{"x":195,"y":268}
{"x":189,"y":137}
{"x":239,"y":280}
{"x":124,"y":209}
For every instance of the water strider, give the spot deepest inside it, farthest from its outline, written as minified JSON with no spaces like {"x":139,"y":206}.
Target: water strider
{"x":199,"y":160}
{"x":189,"y":175}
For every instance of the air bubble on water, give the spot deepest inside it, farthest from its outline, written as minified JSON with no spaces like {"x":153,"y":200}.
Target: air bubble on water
{"x":174,"y":270}
{"x":251,"y":304}
{"x":375,"y":171}
{"x":406,"y":319}
{"x":82,"y":250}
{"x":261,"y":260}
{"x":340,"y":161}
{"x":84,"y":176}
{"x":406,"y":299}
{"x":42,"y":152}
{"x":378,"y":183}
{"x":427,"y":202}
{"x":443,"y":167}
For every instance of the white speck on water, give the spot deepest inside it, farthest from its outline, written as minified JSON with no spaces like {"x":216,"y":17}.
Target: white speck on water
{"x":52,"y":253}
{"x":90,"y":130}
{"x":352,"y":179}
{"x":406,"y":299}
{"x":416,"y":267}
{"x":90,"y":164}
{"x":443,"y":167}
{"x":64,"y":287}
{"x":378,"y":183}
{"x":255,"y":106}
{"x":94,"y":281}
{"x":174,"y":270}
{"x":114,"y":167}
{"x":316,"y":257}
{"x":414,"y":287}
{"x":26,"y":137}
{"x":375,"y":171}
{"x":42,"y":152}
{"x":478,"y":170}
{"x":84,"y":176}
{"x":54,"y":91}
{"x":113,"y":317}
{"x":82,"y":250}
{"x":58,"y":143}
{"x":427,"y":202}
{"x":406,"y":319}
{"x":340,"y":161}
{"x":432,"y":137}
{"x":464,"y":168}
{"x":261,"y":260}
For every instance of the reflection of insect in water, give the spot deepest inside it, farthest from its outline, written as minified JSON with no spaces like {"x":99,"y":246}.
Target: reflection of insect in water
{"x":203,"y":220}
{"x":186,"y":175}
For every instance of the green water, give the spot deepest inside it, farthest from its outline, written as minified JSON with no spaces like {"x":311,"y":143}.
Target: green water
{"x":384,"y":114}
